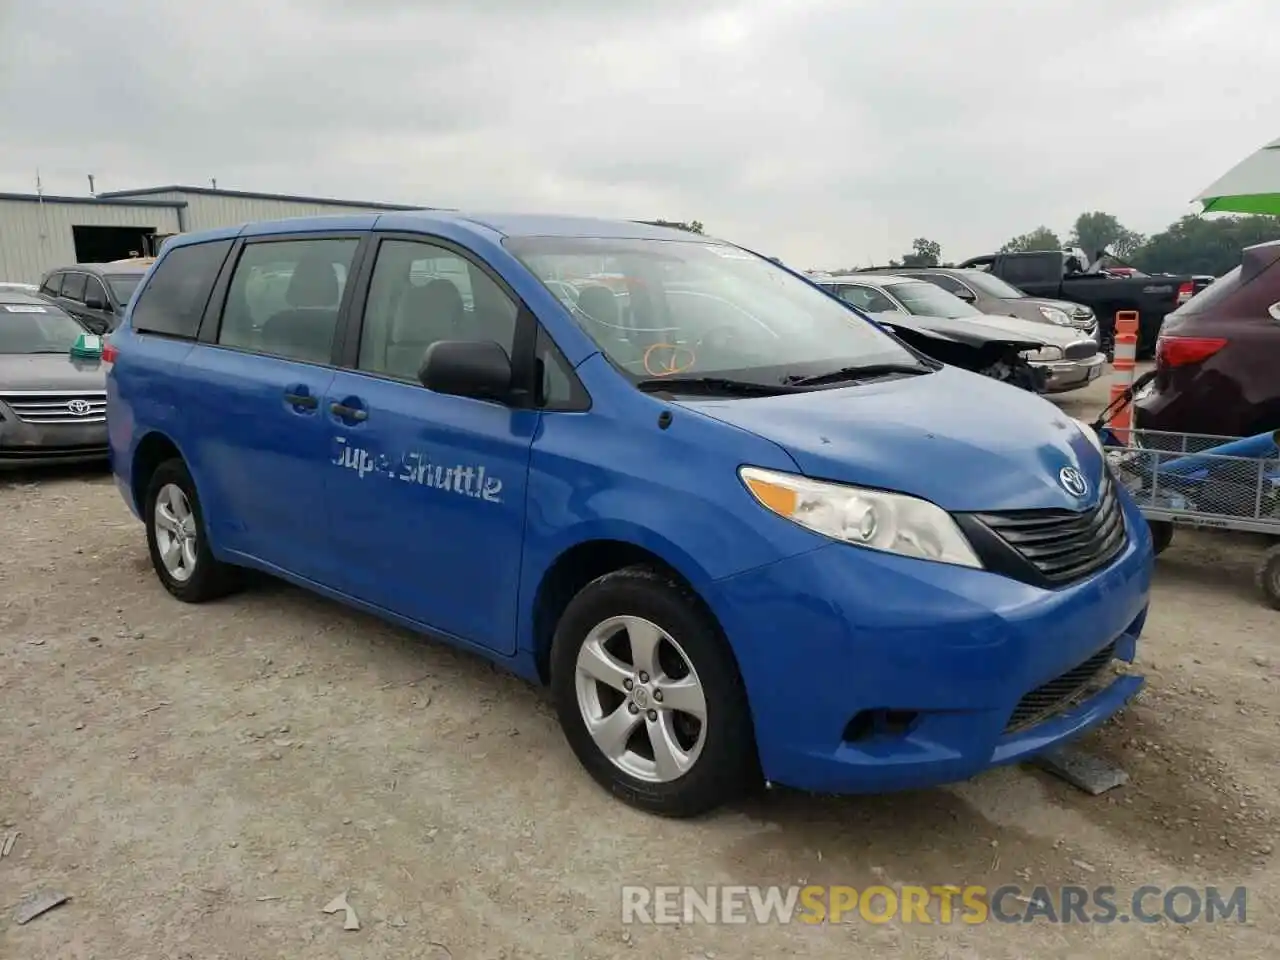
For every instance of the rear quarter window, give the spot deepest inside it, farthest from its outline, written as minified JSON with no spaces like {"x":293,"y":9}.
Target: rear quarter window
{"x":1212,"y":295}
{"x":174,"y":299}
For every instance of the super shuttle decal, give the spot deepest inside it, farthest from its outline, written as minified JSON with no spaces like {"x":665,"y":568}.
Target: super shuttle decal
{"x":464,"y":479}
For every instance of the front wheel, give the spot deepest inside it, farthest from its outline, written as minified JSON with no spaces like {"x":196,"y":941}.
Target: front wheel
{"x":1161,"y":535}
{"x":1269,"y":576}
{"x":649,"y":695}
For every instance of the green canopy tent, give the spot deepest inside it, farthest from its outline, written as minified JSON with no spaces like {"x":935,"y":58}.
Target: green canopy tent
{"x":1251,"y":186}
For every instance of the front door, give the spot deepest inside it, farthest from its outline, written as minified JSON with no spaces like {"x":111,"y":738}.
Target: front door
{"x":96,"y":312}
{"x":261,"y":424}
{"x":426,"y":491}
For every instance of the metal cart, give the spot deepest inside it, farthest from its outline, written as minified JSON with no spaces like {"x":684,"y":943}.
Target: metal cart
{"x":1223,"y":483}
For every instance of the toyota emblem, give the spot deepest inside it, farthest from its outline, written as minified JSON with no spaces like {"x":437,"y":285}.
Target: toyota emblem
{"x":78,"y":407}
{"x":1073,"y":482}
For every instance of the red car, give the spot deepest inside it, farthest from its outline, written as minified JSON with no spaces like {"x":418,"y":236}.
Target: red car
{"x":1218,"y":356}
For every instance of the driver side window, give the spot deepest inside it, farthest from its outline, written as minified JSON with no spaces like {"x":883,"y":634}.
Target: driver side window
{"x":421,"y":293}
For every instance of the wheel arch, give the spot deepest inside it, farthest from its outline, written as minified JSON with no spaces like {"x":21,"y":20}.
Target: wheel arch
{"x":579,"y":563}
{"x":151,"y":451}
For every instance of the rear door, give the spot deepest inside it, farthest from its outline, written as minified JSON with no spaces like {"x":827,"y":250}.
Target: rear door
{"x":427,"y":491}
{"x":264,"y":365}
{"x":52,"y":285}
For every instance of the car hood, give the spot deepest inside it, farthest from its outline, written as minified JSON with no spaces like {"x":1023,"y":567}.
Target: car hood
{"x":964,"y":441}
{"x":988,"y":328}
{"x":50,"y":371}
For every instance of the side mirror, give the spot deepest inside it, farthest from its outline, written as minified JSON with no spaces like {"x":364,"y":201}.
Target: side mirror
{"x":94,"y":301}
{"x":965,"y":294}
{"x":479,"y":369}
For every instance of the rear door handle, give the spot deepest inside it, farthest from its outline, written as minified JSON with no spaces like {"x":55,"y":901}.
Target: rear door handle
{"x":304,"y":400}
{"x":348,"y":413}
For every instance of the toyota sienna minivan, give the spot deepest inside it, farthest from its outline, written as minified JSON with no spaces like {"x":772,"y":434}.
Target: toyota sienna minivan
{"x":742,"y":533}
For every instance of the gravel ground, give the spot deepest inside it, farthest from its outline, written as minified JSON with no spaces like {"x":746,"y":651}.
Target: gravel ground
{"x":202,"y":781}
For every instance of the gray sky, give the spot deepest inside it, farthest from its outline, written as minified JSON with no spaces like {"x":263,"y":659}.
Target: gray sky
{"x":827,"y":132}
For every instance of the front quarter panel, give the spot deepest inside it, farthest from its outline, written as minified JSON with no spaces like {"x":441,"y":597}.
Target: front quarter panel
{"x":615,"y":474}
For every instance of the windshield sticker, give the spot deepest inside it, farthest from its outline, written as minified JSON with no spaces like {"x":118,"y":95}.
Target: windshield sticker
{"x":668,"y":359}
{"x":23,"y":308}
{"x":468,"y":480}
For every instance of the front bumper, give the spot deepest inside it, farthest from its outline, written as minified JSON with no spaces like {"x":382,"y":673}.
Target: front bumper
{"x":24,"y":444}
{"x":1063,"y":375}
{"x":841,"y":634}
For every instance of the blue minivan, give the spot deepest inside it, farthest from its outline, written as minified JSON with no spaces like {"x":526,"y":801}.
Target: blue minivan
{"x":741,"y":532}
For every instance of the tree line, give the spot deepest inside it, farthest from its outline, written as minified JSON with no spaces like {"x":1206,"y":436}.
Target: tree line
{"x":1193,"y":244}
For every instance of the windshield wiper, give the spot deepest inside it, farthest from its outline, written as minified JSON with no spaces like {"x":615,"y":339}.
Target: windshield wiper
{"x":749,"y":388}
{"x":866,"y":371}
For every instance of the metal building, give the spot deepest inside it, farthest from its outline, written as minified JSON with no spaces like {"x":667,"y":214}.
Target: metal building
{"x":40,"y":232}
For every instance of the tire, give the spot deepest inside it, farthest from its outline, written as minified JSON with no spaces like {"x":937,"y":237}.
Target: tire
{"x":713,"y":762}
{"x":202,"y":577}
{"x":1269,"y":576}
{"x":1161,"y":535}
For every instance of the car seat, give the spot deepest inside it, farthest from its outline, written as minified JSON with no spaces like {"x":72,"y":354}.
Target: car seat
{"x":425,"y":315}
{"x":305,"y":331}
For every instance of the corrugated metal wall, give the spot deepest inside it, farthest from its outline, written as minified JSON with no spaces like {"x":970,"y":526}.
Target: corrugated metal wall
{"x":205,"y":211}
{"x":35,"y":237}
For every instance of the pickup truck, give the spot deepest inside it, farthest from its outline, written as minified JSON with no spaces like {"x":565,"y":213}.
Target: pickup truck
{"x":1061,"y":275}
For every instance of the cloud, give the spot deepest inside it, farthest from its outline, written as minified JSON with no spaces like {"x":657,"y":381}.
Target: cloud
{"x":826,"y":132}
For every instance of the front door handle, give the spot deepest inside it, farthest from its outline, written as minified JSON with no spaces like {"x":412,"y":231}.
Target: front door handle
{"x":303,"y":400}
{"x":348,"y":413}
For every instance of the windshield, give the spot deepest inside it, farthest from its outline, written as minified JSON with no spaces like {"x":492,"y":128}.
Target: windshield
{"x":927,"y":300}
{"x":123,"y":285}
{"x":29,"y":328}
{"x":992,"y":286}
{"x":664,"y":308}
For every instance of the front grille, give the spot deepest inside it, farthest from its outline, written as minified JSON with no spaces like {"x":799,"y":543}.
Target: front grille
{"x":1059,"y":693}
{"x":1080,"y":350}
{"x":58,"y":407}
{"x":1064,"y":545}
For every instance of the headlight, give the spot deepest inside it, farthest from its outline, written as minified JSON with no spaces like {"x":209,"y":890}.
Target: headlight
{"x":1044,"y":354}
{"x":891,"y":522}
{"x":1090,"y":435}
{"x":1054,"y":315}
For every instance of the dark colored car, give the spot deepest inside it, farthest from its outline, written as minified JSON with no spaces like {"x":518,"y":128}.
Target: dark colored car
{"x":989,"y":294}
{"x":52,"y":402}
{"x":94,"y":293}
{"x":1060,"y":274}
{"x":1040,"y":356}
{"x":1218,"y":357}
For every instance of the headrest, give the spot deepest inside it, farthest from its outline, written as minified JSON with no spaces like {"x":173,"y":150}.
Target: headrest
{"x":438,"y":303}
{"x":313,"y":284}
